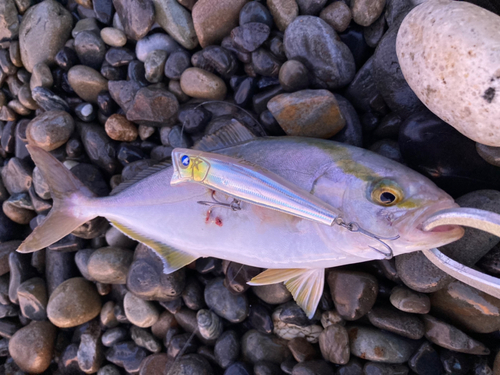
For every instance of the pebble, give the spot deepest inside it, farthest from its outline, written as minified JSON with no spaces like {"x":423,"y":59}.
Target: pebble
{"x":146,"y":278}
{"x":107,"y":316}
{"x":40,"y":41}
{"x":283,"y":12}
{"x":137,"y":17}
{"x":20,"y":271}
{"x":301,"y":349}
{"x":191,"y":364}
{"x":201,"y":84}
{"x":9,"y":21}
{"x":374,"y":33}
{"x":338,"y":15}
{"x":47,"y":100}
{"x":90,"y":49}
{"x":314,"y":43}
{"x":73,"y":302}
{"x":293,"y":76}
{"x":16,"y":176}
{"x":120,"y":129}
{"x":139,"y":312}
{"x":32,"y":295}
{"x":234,"y":308}
{"x":250,"y":36}
{"x":110,"y":265}
{"x":156,"y":364}
{"x":353,"y":293}
{"x":103,"y":10}
{"x":176,"y":64}
{"x":5,"y":249}
{"x":425,"y":361}
{"x":258,"y":347}
{"x":113,"y":37}
{"x":365,"y":12}
{"x":192,"y":295}
{"x":120,"y":56}
{"x":214,"y":19}
{"x":379,"y":346}
{"x":450,"y":337}
{"x":85,"y":24}
{"x":467,"y":307}
{"x":114,"y":335}
{"x":123,"y":92}
{"x":32,"y":346}
{"x":176,"y":21}
{"x":177,"y":342}
{"x":87,"y":82}
{"x":41,"y":76}
{"x":254,"y":11}
{"x":50,"y":130}
{"x":489,"y":154}
{"x":18,"y":208}
{"x":108,"y":370}
{"x":393,"y":320}
{"x":153,"y":106}
{"x":90,"y":353}
{"x":373,"y":368}
{"x":227,"y":349}
{"x":154,"y":65}
{"x":310,"y":113}
{"x":457,"y":363}
{"x":155,"y":42}
{"x":435,"y":76}
{"x":288,"y":329}
{"x":145,"y":339}
{"x":127,"y":355}
{"x":410,"y":301}
{"x":334,"y":344}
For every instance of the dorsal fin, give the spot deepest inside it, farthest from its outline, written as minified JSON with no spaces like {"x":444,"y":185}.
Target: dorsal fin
{"x":141,"y":176}
{"x":229,"y":135}
{"x":173,"y":259}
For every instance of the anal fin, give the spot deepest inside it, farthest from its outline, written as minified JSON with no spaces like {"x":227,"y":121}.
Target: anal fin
{"x":173,"y":259}
{"x":306,"y":285}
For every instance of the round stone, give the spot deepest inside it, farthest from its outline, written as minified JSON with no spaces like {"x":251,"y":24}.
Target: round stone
{"x":410,"y":301}
{"x":87,"y":82}
{"x":73,"y":302}
{"x":283,"y":12}
{"x":110,"y":265}
{"x":225,"y":304}
{"x":257,"y":347}
{"x":274,"y":294}
{"x":293,"y":75}
{"x":334,"y":344}
{"x":438,"y":58}
{"x":201,"y":84}
{"x":113,"y":37}
{"x":139,"y":312}
{"x":50,"y":130}
{"x":337,"y":15}
{"x":365,"y":12}
{"x":32,"y":347}
{"x":120,"y":129}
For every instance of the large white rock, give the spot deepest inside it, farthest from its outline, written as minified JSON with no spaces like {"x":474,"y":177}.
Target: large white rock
{"x":449,"y":52}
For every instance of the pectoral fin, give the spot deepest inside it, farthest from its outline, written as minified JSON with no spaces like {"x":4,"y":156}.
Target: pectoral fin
{"x":306,"y":285}
{"x":173,"y":259}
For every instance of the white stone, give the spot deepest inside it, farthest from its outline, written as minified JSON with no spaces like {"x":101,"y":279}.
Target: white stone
{"x":449,"y":52}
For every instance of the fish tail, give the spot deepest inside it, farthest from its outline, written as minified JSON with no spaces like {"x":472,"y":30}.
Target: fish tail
{"x":69,"y":195}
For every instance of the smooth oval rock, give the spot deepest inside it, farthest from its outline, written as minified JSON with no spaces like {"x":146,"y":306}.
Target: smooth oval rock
{"x":338,"y":15}
{"x":283,"y":12}
{"x":39,"y":39}
{"x":113,"y":37}
{"x":313,"y":42}
{"x":410,"y":301}
{"x":392,"y":320}
{"x":231,"y":307}
{"x":334,"y":344}
{"x":257,"y":347}
{"x":201,"y":84}
{"x":110,"y":265}
{"x":153,"y":106}
{"x":33,"y":299}
{"x":451,"y":65}
{"x":139,"y":312}
{"x":87,"y":82}
{"x":73,"y":302}
{"x":309,"y":113}
{"x":32,"y":347}
{"x":50,"y":130}
{"x":136,"y":16}
{"x":120,"y":129}
{"x":176,"y":21}
{"x":365,"y":12}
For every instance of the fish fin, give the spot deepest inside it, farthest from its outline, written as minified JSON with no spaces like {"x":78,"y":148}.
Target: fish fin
{"x":142,"y":175}
{"x":229,"y":135}
{"x":306,"y":285}
{"x":173,"y":258}
{"x":64,"y":188}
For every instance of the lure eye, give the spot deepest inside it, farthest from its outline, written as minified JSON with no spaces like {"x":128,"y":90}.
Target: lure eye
{"x":387,"y":193}
{"x":185,"y":160}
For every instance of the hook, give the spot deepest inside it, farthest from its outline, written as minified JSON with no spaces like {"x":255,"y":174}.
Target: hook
{"x":235,"y":205}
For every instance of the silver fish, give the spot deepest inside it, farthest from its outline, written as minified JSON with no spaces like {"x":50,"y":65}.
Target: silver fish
{"x":378,"y":194}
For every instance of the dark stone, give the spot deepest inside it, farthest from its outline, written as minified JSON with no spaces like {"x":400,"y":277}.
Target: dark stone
{"x":260,"y":318}
{"x":183,"y":342}
{"x":352,"y":133}
{"x":270,"y":124}
{"x":257,"y":347}
{"x":94,"y":180}
{"x":302,"y":350}
{"x":310,"y":7}
{"x":176,"y":63}
{"x":20,"y":271}
{"x":90,"y":352}
{"x":244,"y":57}
{"x":293,"y":76}
{"x":127,"y":154}
{"x":127,"y":355}
{"x":119,"y":56}
{"x":33,"y":299}
{"x":177,"y":138}
{"x":432,"y":147}
{"x":264,"y":63}
{"x":66,"y":58}
{"x":68,"y":361}
{"x":98,"y":146}
{"x":113,"y":74}
{"x":192,"y":295}
{"x":155,"y":107}
{"x":85,"y":112}
{"x":260,"y":100}
{"x":354,"y":39}
{"x":456,"y":363}
{"x":191,"y":364}
{"x":237,"y":276}
{"x":387,"y":148}
{"x":114,"y":336}
{"x":136,"y":16}
{"x":227,"y":349}
{"x":137,"y":72}
{"x":267,"y":368}
{"x":157,"y":41}
{"x":123,"y":93}
{"x":245,"y":91}
{"x":239,"y":368}
{"x":254,"y":11}
{"x":291,"y":313}
{"x":8,"y":139}
{"x":223,"y":303}
{"x":372,"y":368}
{"x":250,"y":36}
{"x":353,"y":367}
{"x":8,"y":328}
{"x":315,"y":367}
{"x":106,"y":103}
{"x":490,"y":263}
{"x":425,"y":361}
{"x":389,"y":126}
{"x":59,"y":267}
{"x":194,"y":118}
{"x":103,"y":10}
{"x":49,"y":101}
{"x":219,"y":59}
{"x":90,"y":49}
{"x":393,"y":320}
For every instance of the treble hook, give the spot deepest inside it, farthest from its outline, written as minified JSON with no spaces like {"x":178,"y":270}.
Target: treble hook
{"x":354,"y":227}
{"x":234,"y":205}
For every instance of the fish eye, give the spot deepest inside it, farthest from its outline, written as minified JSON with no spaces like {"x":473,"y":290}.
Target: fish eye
{"x":386,"y":193}
{"x":185,"y":160}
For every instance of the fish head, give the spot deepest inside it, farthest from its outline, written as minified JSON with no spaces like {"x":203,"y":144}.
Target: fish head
{"x":396,"y":202}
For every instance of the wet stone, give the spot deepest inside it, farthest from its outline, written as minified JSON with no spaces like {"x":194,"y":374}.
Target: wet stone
{"x":227,"y":349}
{"x":320,"y":114}
{"x":87,"y":82}
{"x":237,"y":276}
{"x":410,"y":301}
{"x":32,"y":295}
{"x":73,"y":302}
{"x":274,"y":294}
{"x":353,"y":293}
{"x":137,"y":17}
{"x":425,"y":361}
{"x":20,"y":271}
{"x":176,"y":21}
{"x":115,"y":238}
{"x":145,"y":339}
{"x":176,"y":64}
{"x":139,"y":312}
{"x":449,"y":337}
{"x":85,"y":112}
{"x":114,"y":336}
{"x":155,"y":107}
{"x":301,"y":349}
{"x":90,"y":49}
{"x":16,"y":176}
{"x":127,"y":355}
{"x":223,"y":303}
{"x":49,"y":101}
{"x":98,"y":146}
{"x":379,"y":346}
{"x":32,"y":346}
{"x":154,"y":65}
{"x":119,"y":56}
{"x":334,"y":344}
{"x":90,"y":351}
{"x":245,"y":91}
{"x":393,"y":320}
{"x":257,"y":347}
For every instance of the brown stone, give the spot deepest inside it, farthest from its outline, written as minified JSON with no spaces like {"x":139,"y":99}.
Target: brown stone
{"x":201,"y":84}
{"x":50,"y":130}
{"x":18,"y":215}
{"x":155,"y":364}
{"x":153,"y":106}
{"x":334,"y":344}
{"x":5,"y":249}
{"x":163,"y":324}
{"x":301,"y":349}
{"x":337,"y":15}
{"x":283,"y":12}
{"x":32,"y":346}
{"x":120,"y":129}
{"x":214,"y":19}
{"x":87,"y":82}
{"x":365,"y":12}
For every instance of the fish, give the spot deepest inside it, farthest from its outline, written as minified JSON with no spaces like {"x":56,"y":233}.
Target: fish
{"x":378,"y":194}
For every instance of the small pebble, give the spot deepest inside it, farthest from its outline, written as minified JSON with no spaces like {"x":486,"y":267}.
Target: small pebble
{"x":410,"y":301}
{"x":223,"y":303}
{"x":334,"y":344}
{"x":201,"y":84}
{"x":257,"y":347}
{"x":119,"y":128}
{"x":87,"y":82}
{"x":338,"y":15}
{"x":393,"y":320}
{"x":113,"y":37}
{"x":113,"y":336}
{"x":33,"y":299}
{"x":50,"y":130}
{"x":154,"y":65}
{"x":139,"y":312}
{"x":145,"y":339}
{"x":127,"y":355}
{"x":227,"y":349}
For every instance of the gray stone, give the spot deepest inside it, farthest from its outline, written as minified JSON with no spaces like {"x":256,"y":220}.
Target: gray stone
{"x":109,"y":370}
{"x":334,"y":344}
{"x":257,"y":347}
{"x":365,"y":12}
{"x":283,"y":12}
{"x":136,"y":16}
{"x":85,"y":24}
{"x":231,"y":307}
{"x":9,"y":23}
{"x":314,"y":43}
{"x":90,"y":49}
{"x":199,"y":83}
{"x":110,"y":265}
{"x":155,"y":65}
{"x":338,"y":15}
{"x":44,"y":29}
{"x":176,"y":21}
{"x":33,"y":299}
{"x":314,"y":367}
{"x":16,"y":176}
{"x":127,"y":355}
{"x":155,"y":42}
{"x":41,"y":76}
{"x":87,"y":82}
{"x":107,"y":316}
{"x":123,"y":92}
{"x":90,"y":353}
{"x":156,"y":107}
{"x":392,"y":320}
{"x":191,"y":364}
{"x":116,"y":238}
{"x":113,"y":37}
{"x":274,"y":294}
{"x":227,"y":349}
{"x":145,"y":339}
{"x":98,"y":146}
{"x":139,"y":312}
{"x":114,"y":336}
{"x":50,"y":130}
{"x":410,"y":301}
